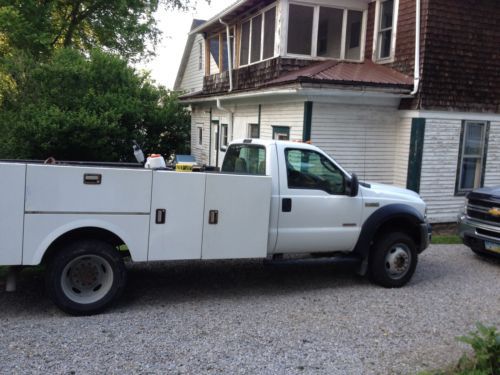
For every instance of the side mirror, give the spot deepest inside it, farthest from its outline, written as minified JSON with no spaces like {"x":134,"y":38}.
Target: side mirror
{"x":353,"y":186}
{"x":223,"y":148}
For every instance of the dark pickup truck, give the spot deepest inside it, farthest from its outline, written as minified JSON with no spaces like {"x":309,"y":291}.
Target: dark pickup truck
{"x":479,"y":224}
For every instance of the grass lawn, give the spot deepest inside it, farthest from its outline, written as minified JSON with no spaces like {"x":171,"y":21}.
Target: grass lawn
{"x":446,"y":239}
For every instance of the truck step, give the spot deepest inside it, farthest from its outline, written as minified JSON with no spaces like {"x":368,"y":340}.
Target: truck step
{"x":339,"y":259}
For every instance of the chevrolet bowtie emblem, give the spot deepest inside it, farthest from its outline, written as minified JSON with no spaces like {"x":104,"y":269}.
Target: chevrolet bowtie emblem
{"x":495,"y":211}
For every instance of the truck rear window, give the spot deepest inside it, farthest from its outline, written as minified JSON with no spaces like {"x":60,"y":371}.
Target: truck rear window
{"x":245,"y":159}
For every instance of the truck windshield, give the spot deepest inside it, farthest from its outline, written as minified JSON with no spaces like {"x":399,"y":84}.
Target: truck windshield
{"x":245,"y":159}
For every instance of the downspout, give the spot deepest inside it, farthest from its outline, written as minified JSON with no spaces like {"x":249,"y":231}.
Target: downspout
{"x":229,"y":55}
{"x":416,"y":74}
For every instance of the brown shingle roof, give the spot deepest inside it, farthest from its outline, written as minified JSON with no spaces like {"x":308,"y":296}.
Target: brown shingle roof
{"x":366,"y":73}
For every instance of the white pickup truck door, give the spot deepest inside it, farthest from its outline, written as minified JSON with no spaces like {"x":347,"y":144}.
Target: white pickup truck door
{"x":315,"y":214}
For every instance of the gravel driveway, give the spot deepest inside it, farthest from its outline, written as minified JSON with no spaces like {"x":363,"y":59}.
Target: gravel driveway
{"x":245,"y":317}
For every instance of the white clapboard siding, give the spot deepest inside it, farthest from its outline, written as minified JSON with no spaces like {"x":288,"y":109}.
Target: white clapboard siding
{"x":243,"y":116}
{"x":361,"y":139}
{"x":402,"y":151}
{"x":285,"y":114}
{"x":192,"y":80}
{"x":439,"y":165}
{"x":200,"y":116}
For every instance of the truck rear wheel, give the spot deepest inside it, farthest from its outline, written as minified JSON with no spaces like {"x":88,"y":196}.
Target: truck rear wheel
{"x":85,"y":277}
{"x":393,"y":260}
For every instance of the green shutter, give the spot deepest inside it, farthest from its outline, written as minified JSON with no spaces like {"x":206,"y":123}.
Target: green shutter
{"x":416,"y":154}
{"x":306,"y":133}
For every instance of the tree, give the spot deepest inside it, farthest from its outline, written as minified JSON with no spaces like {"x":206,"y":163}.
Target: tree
{"x":119,"y":26}
{"x":76,"y":108}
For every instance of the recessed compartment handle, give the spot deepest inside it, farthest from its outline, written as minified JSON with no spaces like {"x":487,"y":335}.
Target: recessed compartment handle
{"x":92,"y":179}
{"x":213,"y":217}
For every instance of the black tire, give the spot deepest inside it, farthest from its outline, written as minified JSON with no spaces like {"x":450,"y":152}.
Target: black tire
{"x":393,"y":260}
{"x":85,"y":276}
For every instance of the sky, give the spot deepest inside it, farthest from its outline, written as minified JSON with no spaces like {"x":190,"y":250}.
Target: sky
{"x":175,"y":26}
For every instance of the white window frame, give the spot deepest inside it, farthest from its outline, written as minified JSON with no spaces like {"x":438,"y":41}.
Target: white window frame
{"x":314,"y":36}
{"x":249,"y":130}
{"x":276,"y":35}
{"x":481,"y":156}
{"x":377,"y":31}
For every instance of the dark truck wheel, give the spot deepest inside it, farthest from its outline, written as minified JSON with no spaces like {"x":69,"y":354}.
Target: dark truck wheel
{"x":393,"y":260}
{"x":84,"y":277}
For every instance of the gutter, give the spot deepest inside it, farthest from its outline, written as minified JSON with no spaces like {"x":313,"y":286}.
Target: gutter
{"x":416,"y":74}
{"x":229,"y":55}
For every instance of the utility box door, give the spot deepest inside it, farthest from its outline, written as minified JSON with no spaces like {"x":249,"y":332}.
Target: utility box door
{"x":11,"y":213}
{"x":71,"y":189}
{"x":236,"y":219}
{"x":178,"y":233}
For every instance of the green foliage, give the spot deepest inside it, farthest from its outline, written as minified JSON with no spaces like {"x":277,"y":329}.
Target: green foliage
{"x":120,"y":26}
{"x":486,"y":360}
{"x":77,"y":108}
{"x":486,"y":345}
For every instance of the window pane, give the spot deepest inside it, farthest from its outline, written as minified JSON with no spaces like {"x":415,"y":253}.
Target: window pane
{"x":353,"y":36}
{"x":386,"y":14}
{"x":471,"y":173}
{"x":256,"y":35}
{"x":269,"y":31}
{"x":300,"y":21}
{"x":214,"y":51}
{"x":473,"y":138}
{"x":249,"y":159}
{"x":310,"y":170}
{"x":281,"y":133}
{"x":330,"y":32}
{"x":245,"y":35}
{"x":254,"y":131}
{"x":224,"y":130}
{"x":384,"y":44}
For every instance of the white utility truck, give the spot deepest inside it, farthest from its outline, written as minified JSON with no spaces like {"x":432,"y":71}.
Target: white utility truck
{"x":272,"y":200}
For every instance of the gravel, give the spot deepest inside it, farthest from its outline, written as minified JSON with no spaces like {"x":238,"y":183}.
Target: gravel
{"x":246,"y":317}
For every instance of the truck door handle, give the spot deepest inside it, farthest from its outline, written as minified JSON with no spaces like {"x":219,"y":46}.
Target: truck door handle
{"x":213,"y":217}
{"x":286,"y":205}
{"x":161,"y":215}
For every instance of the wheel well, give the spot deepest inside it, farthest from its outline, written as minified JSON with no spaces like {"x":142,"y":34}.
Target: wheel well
{"x":80,"y":233}
{"x":399,"y":224}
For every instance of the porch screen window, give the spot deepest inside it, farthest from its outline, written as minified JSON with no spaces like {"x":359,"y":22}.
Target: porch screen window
{"x":330,"y":32}
{"x":353,"y":36}
{"x":269,"y":31}
{"x":256,"y":38}
{"x":300,"y":25}
{"x":281,"y":133}
{"x":385,"y":29}
{"x":245,"y":43}
{"x":472,"y":155}
{"x":214,"y":52}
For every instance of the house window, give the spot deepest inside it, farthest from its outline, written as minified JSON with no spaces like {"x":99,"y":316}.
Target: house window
{"x":300,"y":24}
{"x":385,"y":29}
{"x":253,"y":131}
{"x":219,"y":51}
{"x":281,"y":133}
{"x":353,"y":36}
{"x":257,"y":37}
{"x":325,"y":32}
{"x":200,"y":135}
{"x":200,"y":56}
{"x":330,"y":32}
{"x":214,"y":46}
{"x":224,"y":133}
{"x":472,"y":155}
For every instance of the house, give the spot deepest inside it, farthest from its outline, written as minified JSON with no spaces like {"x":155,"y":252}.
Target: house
{"x":414,"y":109}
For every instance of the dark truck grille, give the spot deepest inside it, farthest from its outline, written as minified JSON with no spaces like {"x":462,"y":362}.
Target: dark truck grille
{"x":481,"y":210}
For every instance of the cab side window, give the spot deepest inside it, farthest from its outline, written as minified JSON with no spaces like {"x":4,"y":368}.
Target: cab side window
{"x":245,"y":159}
{"x":307,"y":169}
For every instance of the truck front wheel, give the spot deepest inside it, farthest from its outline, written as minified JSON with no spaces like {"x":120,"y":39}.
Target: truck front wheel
{"x":393,"y":260}
{"x":85,"y":277}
